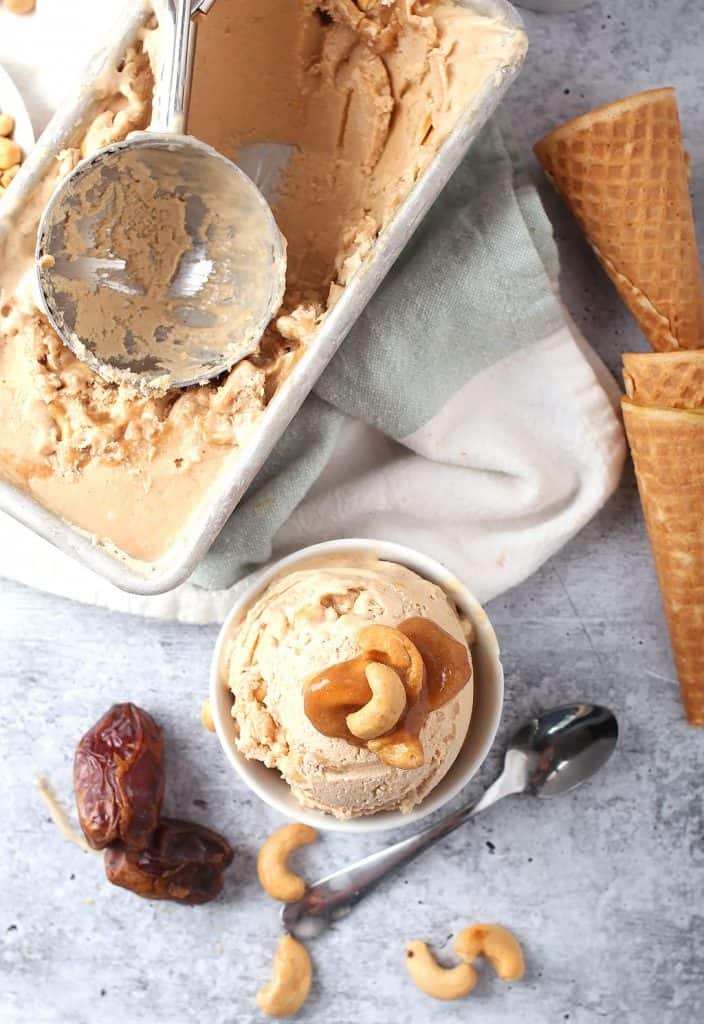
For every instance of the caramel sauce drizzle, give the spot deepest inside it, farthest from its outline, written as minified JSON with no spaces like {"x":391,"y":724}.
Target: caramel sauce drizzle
{"x":339,"y":690}
{"x":446,"y":660}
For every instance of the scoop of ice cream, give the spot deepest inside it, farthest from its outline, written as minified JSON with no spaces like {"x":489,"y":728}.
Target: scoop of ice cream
{"x":305,"y":622}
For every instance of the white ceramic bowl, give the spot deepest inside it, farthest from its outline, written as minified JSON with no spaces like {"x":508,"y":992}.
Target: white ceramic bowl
{"x":12,"y":103}
{"x":488,"y":691}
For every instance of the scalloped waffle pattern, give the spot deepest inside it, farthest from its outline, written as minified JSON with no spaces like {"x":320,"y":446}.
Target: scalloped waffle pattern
{"x":622,"y":171}
{"x":668,"y":451}
{"x":667,"y":380}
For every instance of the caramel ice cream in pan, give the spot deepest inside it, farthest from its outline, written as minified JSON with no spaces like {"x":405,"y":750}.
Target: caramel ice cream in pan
{"x":364,"y":94}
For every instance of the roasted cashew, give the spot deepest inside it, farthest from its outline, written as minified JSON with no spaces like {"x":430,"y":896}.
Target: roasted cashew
{"x":436,"y":981}
{"x":7,"y":125}
{"x":406,"y":754}
{"x":10,"y":154}
{"x":387,"y":703}
{"x":8,"y":176}
{"x":274,"y":875}
{"x":401,"y":654}
{"x":206,"y":716}
{"x":497,"y":945}
{"x":289,"y":987}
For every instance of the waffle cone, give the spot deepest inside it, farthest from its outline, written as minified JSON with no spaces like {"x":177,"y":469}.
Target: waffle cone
{"x":668,"y":452}
{"x":666,"y":380}
{"x":622,"y":170}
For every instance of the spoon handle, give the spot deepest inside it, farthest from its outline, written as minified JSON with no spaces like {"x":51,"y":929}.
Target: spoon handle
{"x":334,"y":896}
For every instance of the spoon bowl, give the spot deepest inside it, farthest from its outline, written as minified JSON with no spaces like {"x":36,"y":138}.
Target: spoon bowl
{"x":562,"y":748}
{"x":159,"y":262}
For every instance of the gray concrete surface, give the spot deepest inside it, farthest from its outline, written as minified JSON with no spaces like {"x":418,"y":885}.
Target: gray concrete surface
{"x":604,"y":887}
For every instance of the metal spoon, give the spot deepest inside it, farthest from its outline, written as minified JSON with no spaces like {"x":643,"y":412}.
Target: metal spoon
{"x":159,"y":262}
{"x":548,"y":756}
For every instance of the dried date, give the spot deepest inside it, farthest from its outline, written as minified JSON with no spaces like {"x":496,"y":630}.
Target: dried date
{"x":118,"y":778}
{"x":183,"y":862}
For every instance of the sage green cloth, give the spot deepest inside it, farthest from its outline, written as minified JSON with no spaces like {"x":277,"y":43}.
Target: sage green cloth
{"x":472,"y":286}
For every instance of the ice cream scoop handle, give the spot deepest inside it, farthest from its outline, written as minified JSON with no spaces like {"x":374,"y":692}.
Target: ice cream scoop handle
{"x":334,"y":896}
{"x":172,"y":111}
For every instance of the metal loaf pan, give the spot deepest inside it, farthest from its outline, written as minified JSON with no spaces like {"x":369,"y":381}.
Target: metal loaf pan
{"x":184,"y":555}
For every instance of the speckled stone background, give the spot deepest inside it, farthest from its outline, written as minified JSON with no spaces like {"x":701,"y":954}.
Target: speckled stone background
{"x":604,"y":887}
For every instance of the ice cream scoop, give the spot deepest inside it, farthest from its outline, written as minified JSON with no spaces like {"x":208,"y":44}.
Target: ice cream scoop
{"x":159,"y":262}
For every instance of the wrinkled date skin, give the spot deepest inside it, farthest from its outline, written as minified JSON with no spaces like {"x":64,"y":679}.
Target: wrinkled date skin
{"x":118,"y":778}
{"x":184,"y":862}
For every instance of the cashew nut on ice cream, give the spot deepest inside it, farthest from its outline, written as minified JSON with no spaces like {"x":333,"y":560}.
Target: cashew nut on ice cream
{"x":401,"y":654}
{"x":404,"y":657}
{"x":396,"y":684}
{"x":436,"y":981}
{"x":274,"y":874}
{"x":386,"y":706}
{"x":290,"y":984}
{"x":497,"y":945}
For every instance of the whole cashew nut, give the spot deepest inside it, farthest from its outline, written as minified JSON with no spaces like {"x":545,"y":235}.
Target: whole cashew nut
{"x":206,"y":716}
{"x":401,"y":654}
{"x":290,"y":984}
{"x":10,"y":154}
{"x":274,"y":874}
{"x":387,"y":704}
{"x":406,"y":754}
{"x":436,"y":981}
{"x":497,"y":945}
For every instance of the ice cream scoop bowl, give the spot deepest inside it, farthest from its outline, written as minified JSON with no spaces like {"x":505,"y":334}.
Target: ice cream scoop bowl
{"x":159,"y":262}
{"x":268,"y":784}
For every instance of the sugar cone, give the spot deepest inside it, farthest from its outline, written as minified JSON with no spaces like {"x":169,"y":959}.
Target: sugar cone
{"x":666,"y":380}
{"x":668,"y":452}
{"x":623,"y":172}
